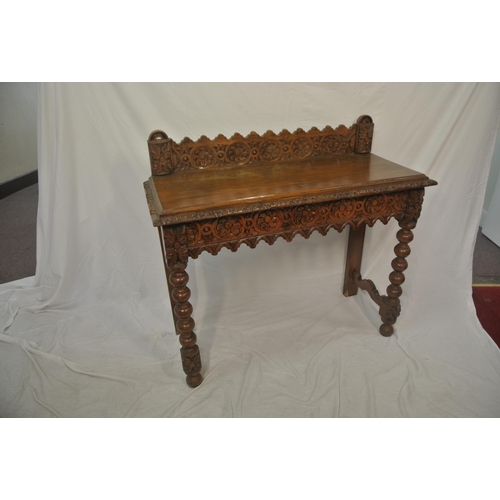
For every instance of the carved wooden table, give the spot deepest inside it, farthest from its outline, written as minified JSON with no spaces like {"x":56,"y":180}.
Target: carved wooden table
{"x":211,"y":194}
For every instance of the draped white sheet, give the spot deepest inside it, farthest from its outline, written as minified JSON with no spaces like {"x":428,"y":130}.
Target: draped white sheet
{"x":92,"y":333}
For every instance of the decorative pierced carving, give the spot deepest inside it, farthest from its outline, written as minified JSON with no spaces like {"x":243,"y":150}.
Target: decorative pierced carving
{"x":375,"y":205}
{"x":269,"y":221}
{"x":190,"y":239}
{"x":168,"y":157}
{"x":306,"y":215}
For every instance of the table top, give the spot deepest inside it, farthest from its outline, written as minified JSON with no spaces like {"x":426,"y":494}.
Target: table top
{"x":200,"y":194}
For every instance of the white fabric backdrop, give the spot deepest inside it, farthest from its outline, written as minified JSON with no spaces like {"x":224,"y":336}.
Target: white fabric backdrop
{"x":92,"y":333}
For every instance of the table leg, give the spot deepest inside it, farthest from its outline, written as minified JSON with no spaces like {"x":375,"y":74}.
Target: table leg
{"x":184,"y":323}
{"x":353,"y":262}
{"x":162,"y":245}
{"x":175,"y":258}
{"x":391,"y":307}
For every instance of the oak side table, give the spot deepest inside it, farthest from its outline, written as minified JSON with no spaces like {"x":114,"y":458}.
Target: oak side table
{"x":207,"y":194}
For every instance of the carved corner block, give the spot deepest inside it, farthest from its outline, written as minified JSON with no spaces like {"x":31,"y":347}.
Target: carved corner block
{"x":160,"y":153}
{"x":364,"y":134}
{"x":413,"y":201}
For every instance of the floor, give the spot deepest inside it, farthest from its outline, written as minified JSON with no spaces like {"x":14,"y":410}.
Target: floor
{"x":486,"y":262}
{"x":18,"y":234}
{"x":18,"y":242}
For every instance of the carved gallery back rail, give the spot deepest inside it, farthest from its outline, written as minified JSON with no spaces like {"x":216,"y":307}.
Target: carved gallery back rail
{"x":206,"y":195}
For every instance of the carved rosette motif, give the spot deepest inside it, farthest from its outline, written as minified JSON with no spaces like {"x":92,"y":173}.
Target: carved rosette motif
{"x":302,"y":147}
{"x":203,"y":157}
{"x":229,"y":228}
{"x":268,"y":221}
{"x":305,"y":215}
{"x":413,"y":202}
{"x":161,"y":158}
{"x":191,"y":238}
{"x":347,"y":208}
{"x":270,"y":151}
{"x":375,"y":205}
{"x":168,"y":156}
{"x":176,"y":243}
{"x":238,"y":153}
{"x":331,"y":143}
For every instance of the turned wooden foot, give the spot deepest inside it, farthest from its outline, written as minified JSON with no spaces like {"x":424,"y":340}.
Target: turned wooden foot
{"x":191,"y":361}
{"x":184,"y":323}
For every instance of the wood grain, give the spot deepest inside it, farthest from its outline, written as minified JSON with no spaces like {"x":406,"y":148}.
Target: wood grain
{"x":194,"y":192}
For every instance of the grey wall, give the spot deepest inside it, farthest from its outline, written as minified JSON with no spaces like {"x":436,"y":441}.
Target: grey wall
{"x":492,"y":179}
{"x":18,"y":129}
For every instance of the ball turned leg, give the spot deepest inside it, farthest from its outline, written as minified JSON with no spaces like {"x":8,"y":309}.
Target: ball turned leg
{"x":391,"y":306}
{"x":184,"y":324}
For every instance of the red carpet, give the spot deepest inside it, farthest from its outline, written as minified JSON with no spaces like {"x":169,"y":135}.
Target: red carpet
{"x":487,"y":302}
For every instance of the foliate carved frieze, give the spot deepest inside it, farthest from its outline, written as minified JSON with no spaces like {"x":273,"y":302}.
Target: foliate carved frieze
{"x":168,"y":156}
{"x":190,"y":239}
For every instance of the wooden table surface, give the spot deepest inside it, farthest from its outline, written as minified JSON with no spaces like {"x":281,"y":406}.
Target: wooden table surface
{"x":200,"y":191}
